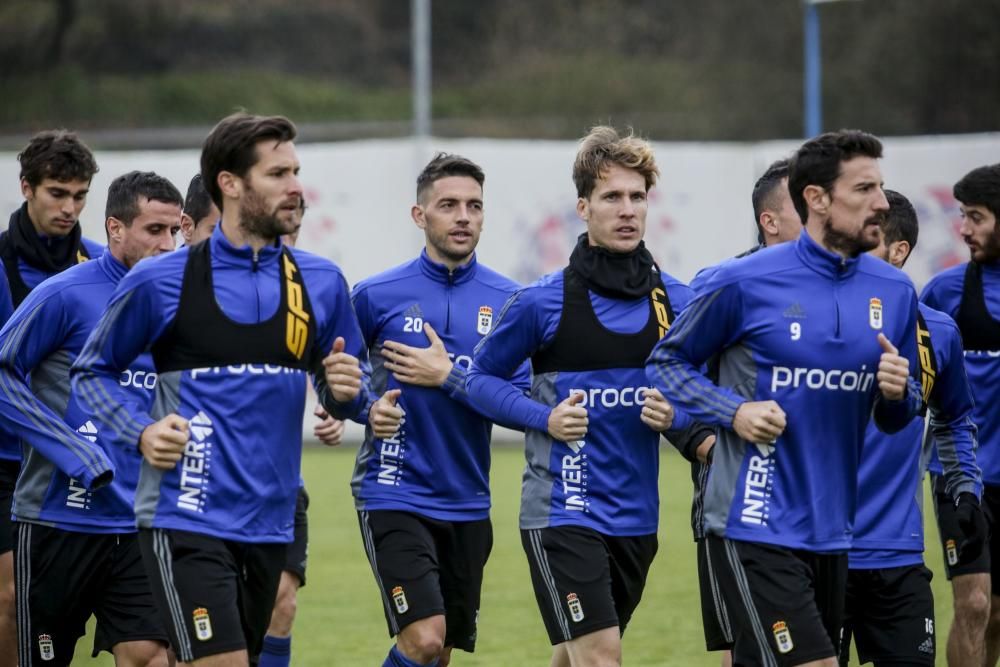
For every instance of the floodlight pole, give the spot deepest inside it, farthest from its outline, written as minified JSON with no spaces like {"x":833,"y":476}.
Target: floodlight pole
{"x":420,"y":29}
{"x":813,"y":72}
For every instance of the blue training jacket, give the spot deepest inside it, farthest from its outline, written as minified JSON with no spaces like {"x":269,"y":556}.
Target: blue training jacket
{"x":438,"y":463}
{"x":944,"y":293}
{"x":889,"y":526}
{"x":239,"y":476}
{"x":608,"y":481}
{"x":796,"y":324}
{"x":37,"y":348}
{"x":10,"y":446}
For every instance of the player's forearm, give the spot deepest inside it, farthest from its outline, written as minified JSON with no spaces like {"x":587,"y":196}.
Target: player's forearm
{"x":691,"y":392}
{"x":503,"y":403}
{"x":99,"y":390}
{"x":35,"y":423}
{"x":956,"y":445}
{"x":892,"y":416}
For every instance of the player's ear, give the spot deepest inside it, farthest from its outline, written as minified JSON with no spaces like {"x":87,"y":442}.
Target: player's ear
{"x":583,"y":209}
{"x":230,"y":184}
{"x":769,"y":223}
{"x":817,"y":198}
{"x":419,"y":218}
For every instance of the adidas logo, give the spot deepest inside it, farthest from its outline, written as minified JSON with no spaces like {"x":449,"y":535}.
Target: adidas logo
{"x":795,"y":312}
{"x":88,"y":431}
{"x":414,"y":311}
{"x":927,"y":646}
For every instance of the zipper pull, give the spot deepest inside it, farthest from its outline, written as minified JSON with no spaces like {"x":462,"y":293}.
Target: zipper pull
{"x":255,"y":258}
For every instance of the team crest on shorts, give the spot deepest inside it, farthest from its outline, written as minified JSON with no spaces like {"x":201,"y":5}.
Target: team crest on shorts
{"x":485,"y":321}
{"x":875,"y":313}
{"x":399,"y":598}
{"x":202,"y":624}
{"x":45,"y":647}
{"x":783,"y":637}
{"x":952,"y":551}
{"x":575,"y":608}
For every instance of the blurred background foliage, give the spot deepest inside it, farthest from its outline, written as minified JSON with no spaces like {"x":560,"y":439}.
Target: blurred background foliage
{"x":676,"y":69}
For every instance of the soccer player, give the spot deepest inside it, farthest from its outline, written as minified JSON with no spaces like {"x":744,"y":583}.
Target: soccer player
{"x":43,"y":238}
{"x":423,"y":496}
{"x":807,"y":332}
{"x":232,"y":324}
{"x":970,"y":293}
{"x":890,"y":607}
{"x":76,"y":551}
{"x":777,"y":222}
{"x":201,"y":215}
{"x":589,"y":502}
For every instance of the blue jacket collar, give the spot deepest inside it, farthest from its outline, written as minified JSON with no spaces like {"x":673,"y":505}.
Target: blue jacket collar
{"x":226,"y":252}
{"x":822,"y":261}
{"x":114,"y":269}
{"x":440,"y":272}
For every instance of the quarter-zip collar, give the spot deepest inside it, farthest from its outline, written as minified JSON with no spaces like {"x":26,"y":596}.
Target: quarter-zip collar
{"x":822,"y":261}
{"x":244,"y":256}
{"x":441,"y":273}
{"x":112,"y":268}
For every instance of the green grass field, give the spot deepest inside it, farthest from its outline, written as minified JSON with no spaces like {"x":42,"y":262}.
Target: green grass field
{"x":340,"y":618}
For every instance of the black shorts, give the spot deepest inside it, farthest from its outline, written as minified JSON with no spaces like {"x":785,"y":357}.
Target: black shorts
{"x":64,"y":577}
{"x":213,"y":595}
{"x":890,"y":614}
{"x":8,"y":478}
{"x":714,"y":615}
{"x":786,"y":605}
{"x":298,"y":551}
{"x":425,"y":567}
{"x":951,"y":534}
{"x":586,"y":581}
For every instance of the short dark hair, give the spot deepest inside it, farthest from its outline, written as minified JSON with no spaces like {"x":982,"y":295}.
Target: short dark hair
{"x":900,"y":223}
{"x":604,"y":147}
{"x":818,"y":162}
{"x":232,"y":146}
{"x":124,"y":193}
{"x":765,"y":191}
{"x":197,"y":202}
{"x":56,"y":154}
{"x":444,"y":165}
{"x":981,"y":187}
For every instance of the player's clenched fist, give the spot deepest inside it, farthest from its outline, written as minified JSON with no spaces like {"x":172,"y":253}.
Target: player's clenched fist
{"x":893,"y":371}
{"x":385,"y":416}
{"x":343,"y":373}
{"x":328,"y":430}
{"x":162,"y":443}
{"x":657,"y":413}
{"x":568,"y":421}
{"x":761,"y":422}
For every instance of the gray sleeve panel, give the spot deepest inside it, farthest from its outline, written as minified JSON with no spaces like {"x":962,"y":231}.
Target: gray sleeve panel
{"x":536,"y":485}
{"x":50,"y":384}
{"x":147,"y":493}
{"x":32,"y":485}
{"x":167,"y":395}
{"x":379,"y":384}
{"x":166,"y":400}
{"x":738,"y":371}
{"x":50,"y":381}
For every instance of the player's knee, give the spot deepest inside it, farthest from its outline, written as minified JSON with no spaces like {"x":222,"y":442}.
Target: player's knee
{"x":973,"y":608}
{"x":421,"y":642}
{"x":6,"y":597}
{"x":142,"y":654}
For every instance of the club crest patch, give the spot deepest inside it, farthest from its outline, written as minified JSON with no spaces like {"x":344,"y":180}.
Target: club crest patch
{"x":485,"y":320}
{"x":952,"y":552}
{"x":202,"y":624}
{"x":399,"y":598}
{"x":875,"y":313}
{"x":575,"y":608}
{"x":45,"y":648}
{"x":783,"y":637}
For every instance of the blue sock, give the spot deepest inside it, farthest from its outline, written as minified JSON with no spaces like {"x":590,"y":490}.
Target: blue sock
{"x":277,"y":652}
{"x":397,"y":659}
